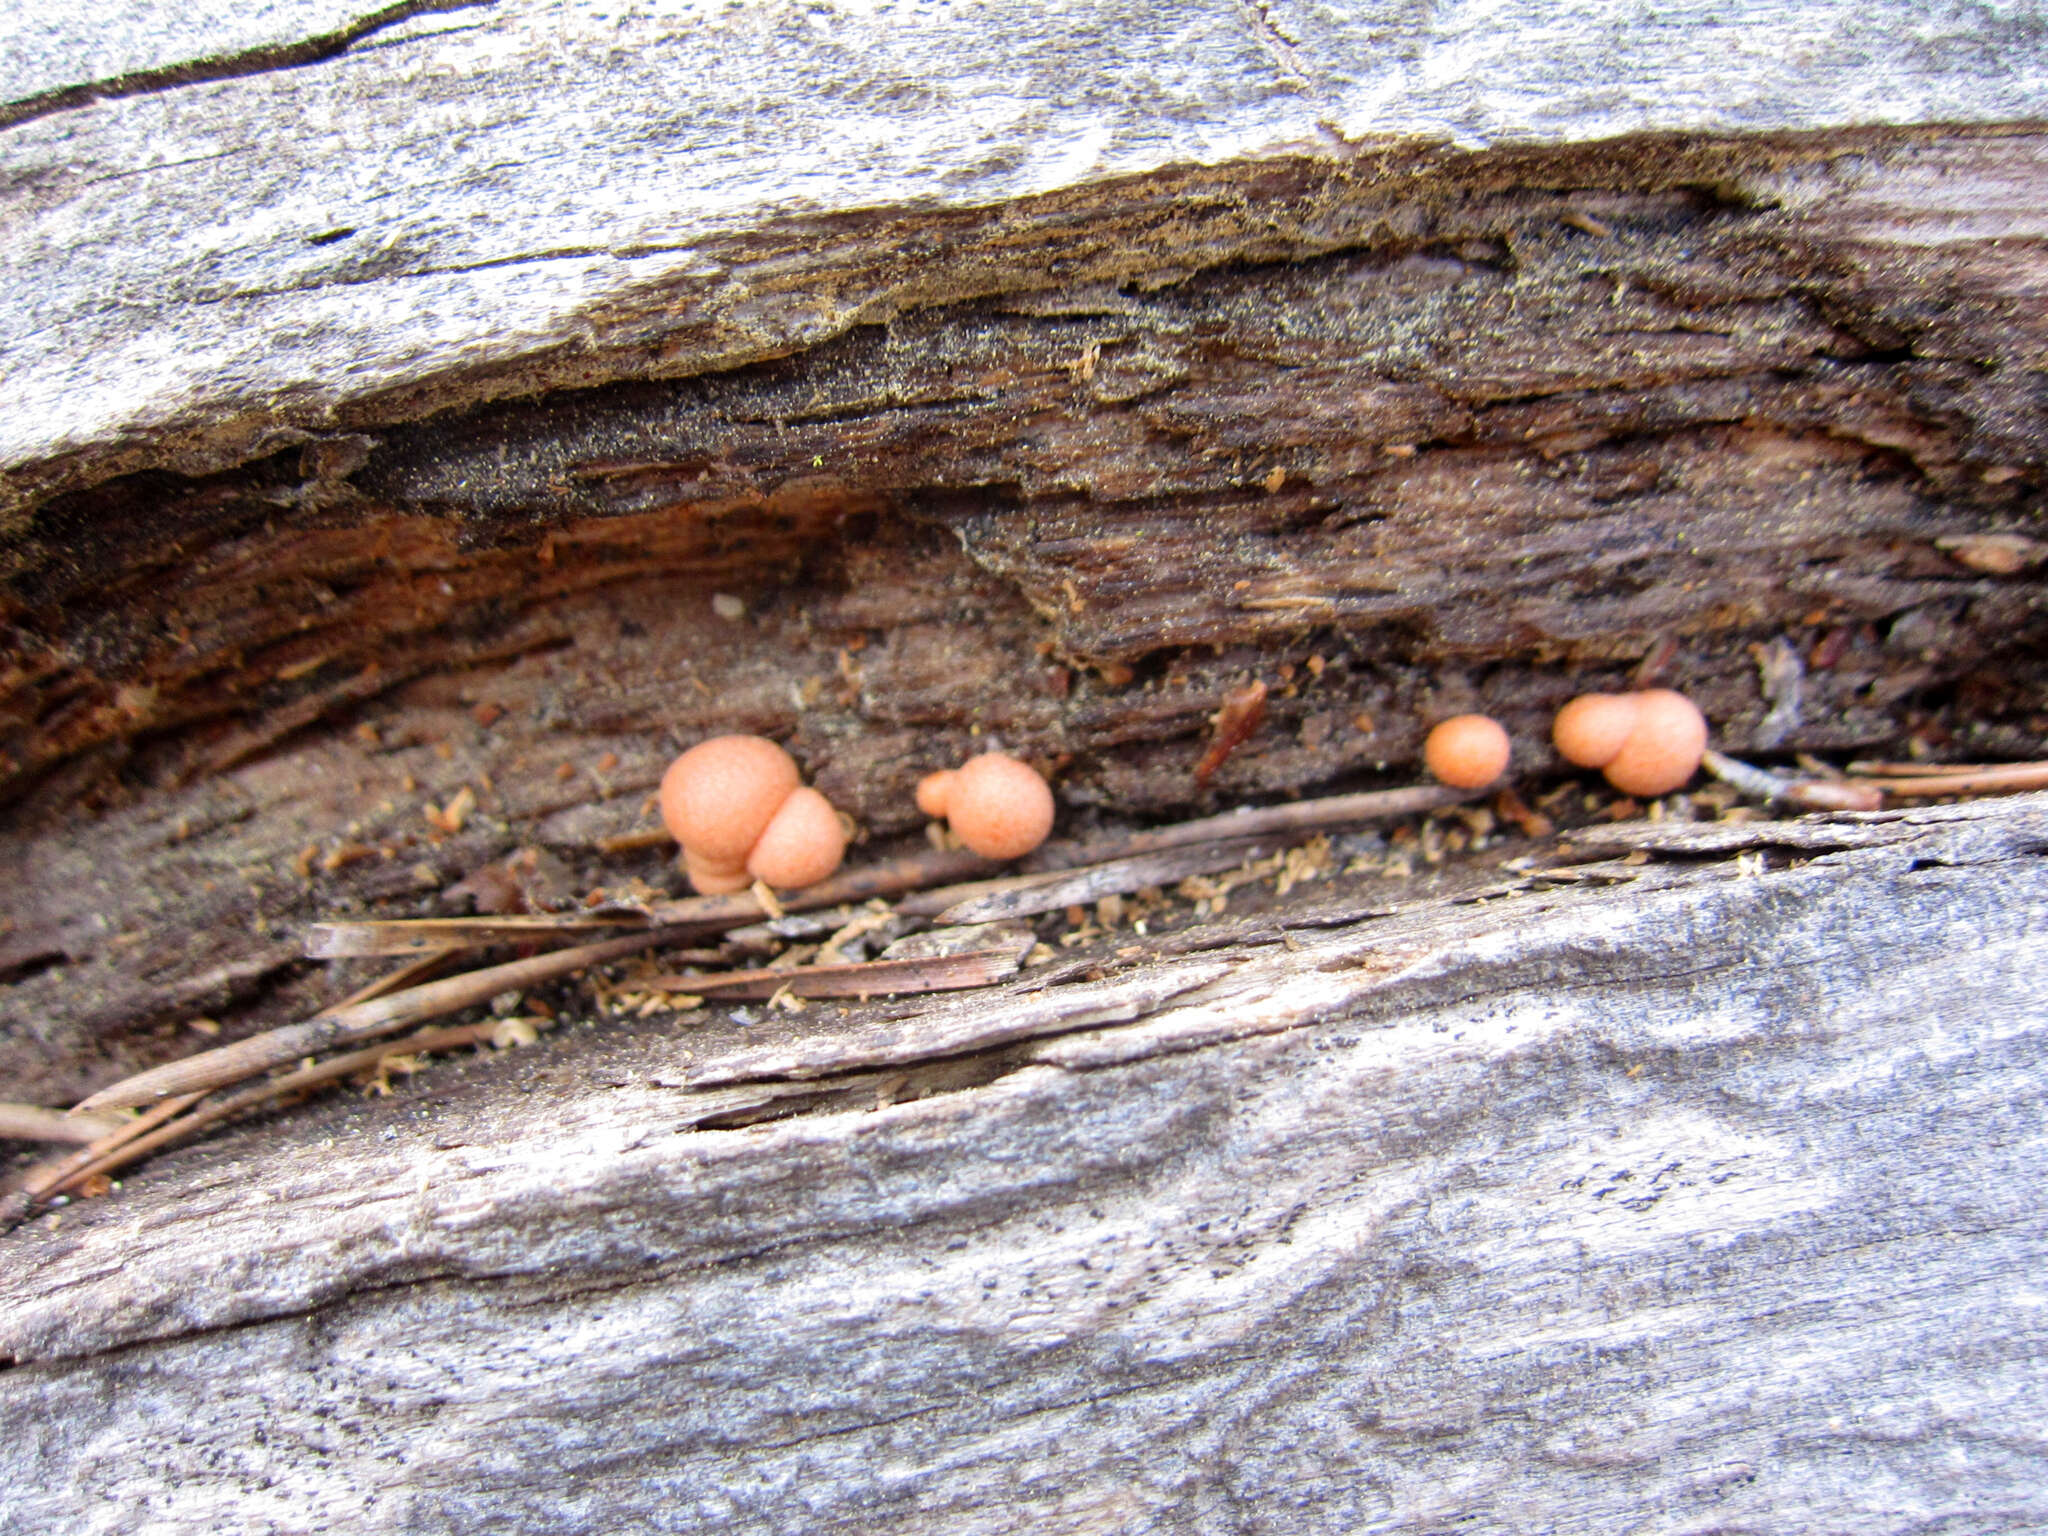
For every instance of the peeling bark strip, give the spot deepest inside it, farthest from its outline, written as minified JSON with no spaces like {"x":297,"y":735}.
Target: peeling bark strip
{"x":1675,"y":1196}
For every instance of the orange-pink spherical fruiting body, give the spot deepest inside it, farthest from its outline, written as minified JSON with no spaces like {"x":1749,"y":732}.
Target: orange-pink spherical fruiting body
{"x":1593,"y":728}
{"x":1664,"y":749}
{"x":1467,"y":751}
{"x":739,"y":808}
{"x":715,"y":879}
{"x":1000,"y":808}
{"x":801,"y":845}
{"x":718,"y":797}
{"x":935,"y":793}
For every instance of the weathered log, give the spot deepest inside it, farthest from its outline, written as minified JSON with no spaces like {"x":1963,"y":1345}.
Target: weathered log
{"x":1671,"y":1203}
{"x":1105,"y":573}
{"x":390,"y":393}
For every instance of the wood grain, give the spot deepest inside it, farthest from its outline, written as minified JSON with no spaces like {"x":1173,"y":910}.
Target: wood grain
{"x":390,"y":391}
{"x":524,"y":195}
{"x":1671,"y":1202}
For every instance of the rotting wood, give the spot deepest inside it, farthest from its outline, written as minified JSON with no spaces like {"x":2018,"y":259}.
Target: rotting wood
{"x":1696,"y":1190}
{"x":1800,"y":523}
{"x":363,"y":1020}
{"x":1255,"y":1205}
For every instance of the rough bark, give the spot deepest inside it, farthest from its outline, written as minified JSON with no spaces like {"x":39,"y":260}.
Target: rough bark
{"x":391,"y":391}
{"x":1670,"y":1204}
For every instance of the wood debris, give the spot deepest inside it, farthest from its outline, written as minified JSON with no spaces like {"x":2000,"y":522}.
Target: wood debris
{"x":352,"y":1022}
{"x":1104,"y":885}
{"x":417,"y":935}
{"x":1243,"y":711}
{"x":867,"y":978}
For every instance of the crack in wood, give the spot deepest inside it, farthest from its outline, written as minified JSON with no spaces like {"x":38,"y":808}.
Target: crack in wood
{"x":250,"y":61}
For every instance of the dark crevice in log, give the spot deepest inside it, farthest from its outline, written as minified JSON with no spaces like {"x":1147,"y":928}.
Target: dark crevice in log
{"x":1534,"y":423}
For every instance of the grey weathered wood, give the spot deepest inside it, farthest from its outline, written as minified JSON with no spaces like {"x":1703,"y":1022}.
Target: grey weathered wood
{"x":494,"y":198}
{"x":1696,"y":1194}
{"x":1675,"y":1205}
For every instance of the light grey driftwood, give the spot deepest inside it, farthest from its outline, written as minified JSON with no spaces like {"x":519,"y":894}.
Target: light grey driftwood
{"x":1674,"y":1205}
{"x":209,"y":256}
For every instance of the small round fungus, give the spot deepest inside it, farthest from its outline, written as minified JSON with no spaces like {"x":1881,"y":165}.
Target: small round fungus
{"x":715,"y":879}
{"x":997,"y":806}
{"x":1647,"y":743}
{"x":1594,"y":727}
{"x":1664,"y":749}
{"x":728,"y":799}
{"x":935,"y":793}
{"x":718,"y":797}
{"x":802,"y":845}
{"x":1467,"y":751}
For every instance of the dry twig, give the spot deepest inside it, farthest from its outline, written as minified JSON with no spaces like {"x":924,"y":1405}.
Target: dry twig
{"x":1808,"y":794}
{"x":361,"y":1021}
{"x":37,"y":1182}
{"x":32,"y":1122}
{"x":1965,"y":779}
{"x":1870,"y":783}
{"x":212,"y":1111}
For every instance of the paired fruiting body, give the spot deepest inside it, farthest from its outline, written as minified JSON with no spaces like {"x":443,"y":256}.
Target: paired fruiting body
{"x":1466,"y":751}
{"x":742,"y":813}
{"x":1647,"y":743}
{"x":999,"y":807}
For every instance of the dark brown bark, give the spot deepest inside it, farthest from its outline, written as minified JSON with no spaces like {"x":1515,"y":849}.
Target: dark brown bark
{"x":1549,"y":423}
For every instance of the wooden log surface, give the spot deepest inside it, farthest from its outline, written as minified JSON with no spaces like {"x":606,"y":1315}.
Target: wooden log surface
{"x":1704,"y":1199}
{"x":1484,"y":460}
{"x":391,"y":390}
{"x":228,"y":233}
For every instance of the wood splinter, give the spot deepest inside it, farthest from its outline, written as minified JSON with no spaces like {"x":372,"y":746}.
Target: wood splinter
{"x":870,"y":978}
{"x":1243,"y":712}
